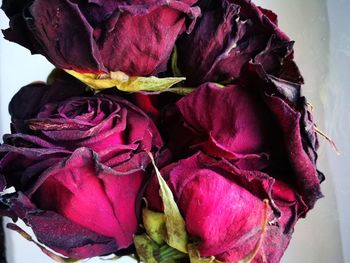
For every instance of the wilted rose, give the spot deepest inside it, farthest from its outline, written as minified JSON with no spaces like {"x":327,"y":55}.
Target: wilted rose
{"x":229,"y":34}
{"x":223,"y":207}
{"x":256,"y":141}
{"x":136,"y":37}
{"x":262,"y":123}
{"x":77,"y":165}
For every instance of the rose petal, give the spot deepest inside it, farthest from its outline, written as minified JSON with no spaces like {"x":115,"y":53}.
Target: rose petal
{"x":244,"y":131}
{"x":65,"y":35}
{"x":228,"y":35}
{"x":59,"y":233}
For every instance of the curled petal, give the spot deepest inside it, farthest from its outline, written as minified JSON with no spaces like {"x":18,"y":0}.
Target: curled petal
{"x":59,"y":233}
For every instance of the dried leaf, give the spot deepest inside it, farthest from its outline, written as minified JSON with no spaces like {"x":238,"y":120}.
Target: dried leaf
{"x":175,"y":225}
{"x":145,"y":248}
{"x":154,"y":224}
{"x":123,"y":82}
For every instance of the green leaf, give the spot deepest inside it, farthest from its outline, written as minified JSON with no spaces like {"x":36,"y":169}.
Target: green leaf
{"x":126,"y":83}
{"x":146,"y":248}
{"x":176,"y":235}
{"x":154,"y":224}
{"x":150,"y":252}
{"x":52,"y":255}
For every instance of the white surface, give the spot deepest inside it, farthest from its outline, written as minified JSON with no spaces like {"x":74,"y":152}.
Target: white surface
{"x":322,"y":33}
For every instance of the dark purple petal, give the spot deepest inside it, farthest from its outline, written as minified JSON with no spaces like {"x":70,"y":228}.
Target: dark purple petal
{"x":12,"y":7}
{"x":22,"y":165}
{"x":20,"y":33}
{"x":65,"y":35}
{"x":101,"y":36}
{"x":59,"y":233}
{"x":22,"y":108}
{"x":228,"y":35}
{"x":297,"y":127}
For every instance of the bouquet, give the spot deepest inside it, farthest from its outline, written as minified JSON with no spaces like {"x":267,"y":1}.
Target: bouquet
{"x":170,"y":131}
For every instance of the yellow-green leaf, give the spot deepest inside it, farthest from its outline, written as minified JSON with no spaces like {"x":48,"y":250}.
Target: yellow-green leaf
{"x":181,"y":90}
{"x":174,"y":66}
{"x":154,"y":224}
{"x":126,"y":83}
{"x":219,"y":85}
{"x":146,"y":248}
{"x":175,"y":225}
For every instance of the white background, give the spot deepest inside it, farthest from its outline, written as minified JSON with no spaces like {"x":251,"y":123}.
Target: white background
{"x":321,"y":29}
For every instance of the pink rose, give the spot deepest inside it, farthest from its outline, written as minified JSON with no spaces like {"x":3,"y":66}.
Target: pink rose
{"x":77,"y":165}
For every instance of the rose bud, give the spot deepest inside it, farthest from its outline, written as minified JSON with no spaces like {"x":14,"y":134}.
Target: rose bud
{"x":136,"y":37}
{"x":77,"y":165}
{"x":223,"y":207}
{"x":229,"y":34}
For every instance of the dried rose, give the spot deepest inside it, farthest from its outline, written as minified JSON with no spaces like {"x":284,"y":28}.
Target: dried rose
{"x":260,"y":124}
{"x":258,"y":142}
{"x":223,"y":207}
{"x":135,"y":37}
{"x":229,"y":34}
{"x":77,"y":165}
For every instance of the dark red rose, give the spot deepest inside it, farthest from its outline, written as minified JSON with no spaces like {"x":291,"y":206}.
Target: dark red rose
{"x":136,"y":37}
{"x":77,"y":165}
{"x":229,"y":34}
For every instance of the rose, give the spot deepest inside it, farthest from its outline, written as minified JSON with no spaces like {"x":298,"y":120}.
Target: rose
{"x":262,"y":123}
{"x":256,"y":141}
{"x":229,"y":34}
{"x":100,"y":36}
{"x":223,"y":208}
{"x":77,"y":165}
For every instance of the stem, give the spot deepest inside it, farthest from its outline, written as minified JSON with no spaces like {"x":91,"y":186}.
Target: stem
{"x":168,"y":253}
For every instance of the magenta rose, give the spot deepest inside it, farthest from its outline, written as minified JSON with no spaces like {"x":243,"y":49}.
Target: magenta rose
{"x":238,"y":145}
{"x":262,"y":123}
{"x":228,"y":35}
{"x":77,"y":165}
{"x":223,"y":207}
{"x":136,"y":37}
